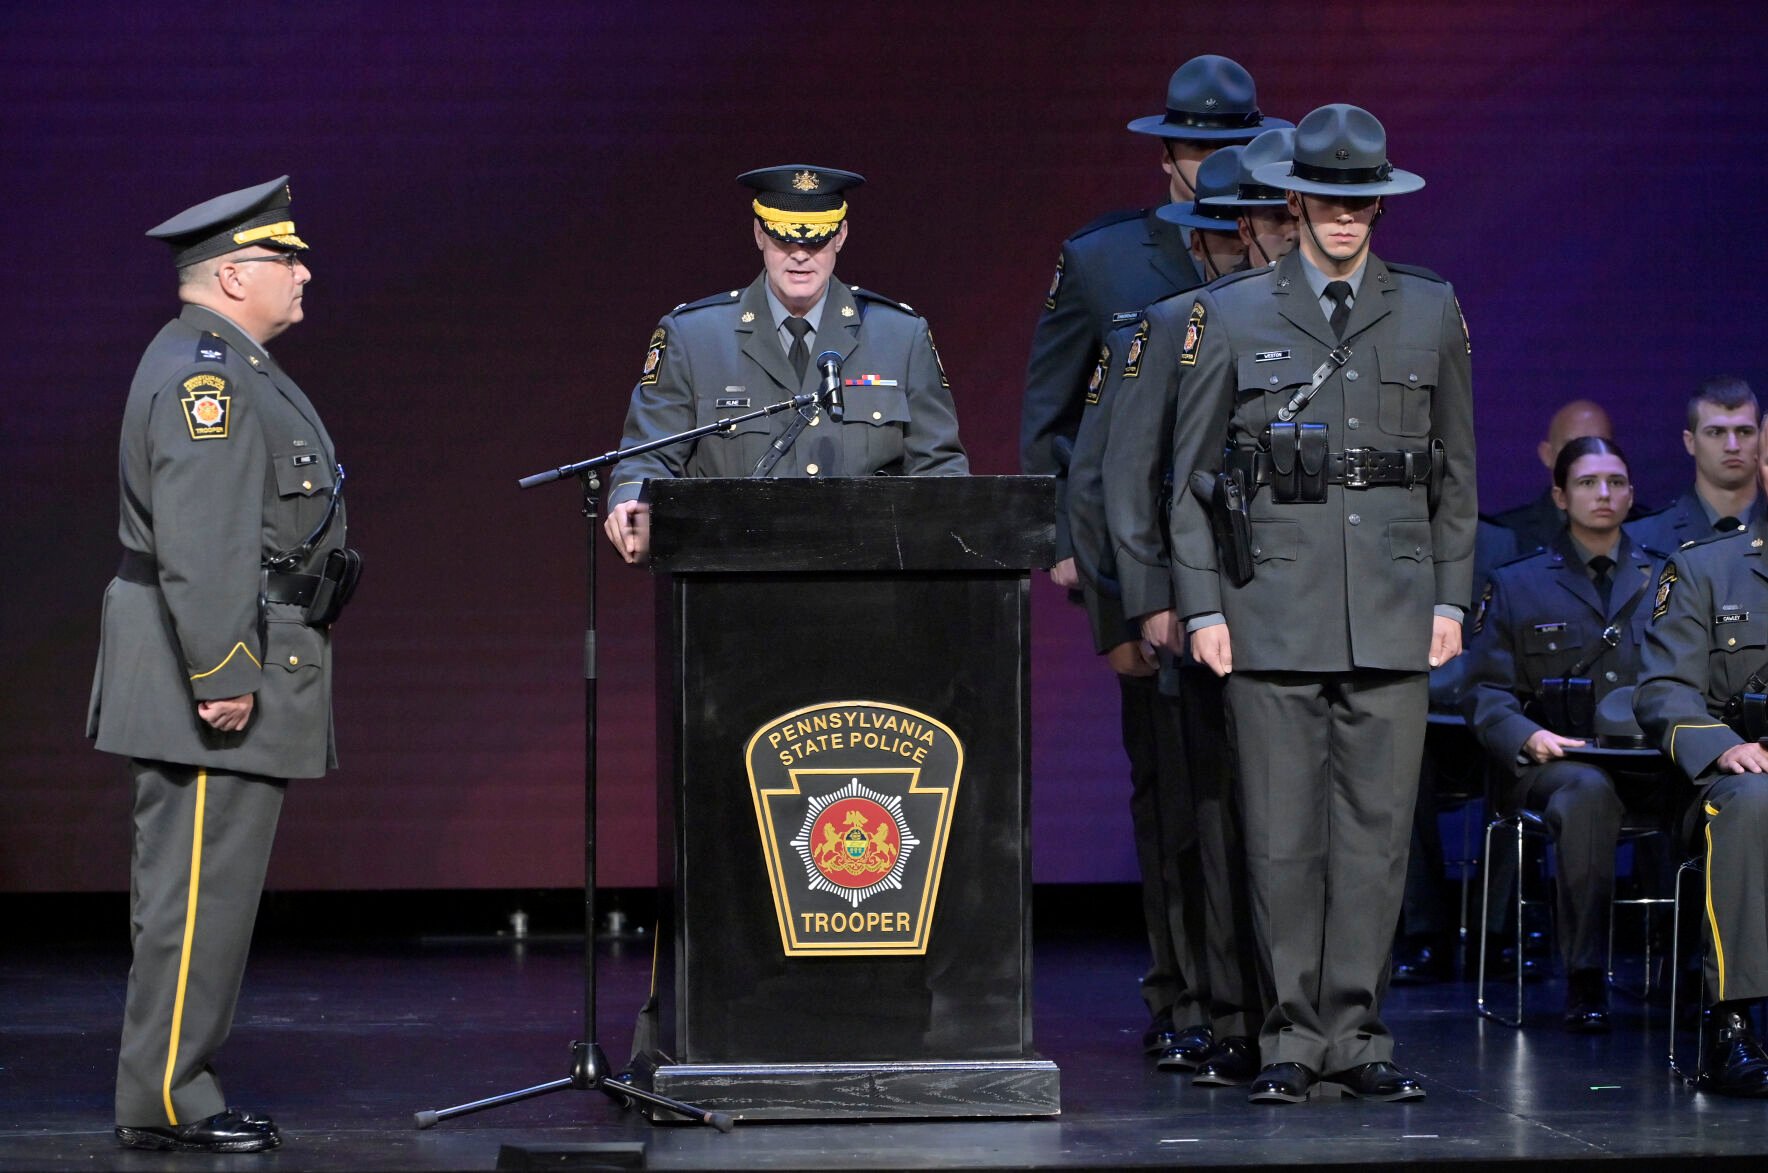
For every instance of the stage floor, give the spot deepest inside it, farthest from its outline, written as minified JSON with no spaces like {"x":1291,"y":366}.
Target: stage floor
{"x":342,"y":1043}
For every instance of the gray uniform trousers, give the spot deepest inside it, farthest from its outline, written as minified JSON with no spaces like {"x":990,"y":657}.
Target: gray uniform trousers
{"x":1328,"y":776}
{"x":1579,"y":804}
{"x":202,"y":844}
{"x":1735,"y":807}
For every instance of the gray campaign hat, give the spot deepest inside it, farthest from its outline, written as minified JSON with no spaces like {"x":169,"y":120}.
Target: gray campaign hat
{"x":1340,"y":150}
{"x":1217,"y":175}
{"x":252,"y":215}
{"x":1209,"y":99}
{"x":1273,"y":146}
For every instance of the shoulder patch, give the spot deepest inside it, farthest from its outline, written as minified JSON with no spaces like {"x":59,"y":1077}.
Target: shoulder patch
{"x":1096,"y":384}
{"x":208,"y":406}
{"x":1055,"y":285}
{"x":938,"y":362}
{"x":1107,"y":220}
{"x":1415,"y":271}
{"x":1132,"y":358}
{"x":654,"y":357}
{"x":873,"y":295}
{"x":727,"y":298}
{"x":1193,"y":335}
{"x":211,"y":348}
{"x":1666,"y":580}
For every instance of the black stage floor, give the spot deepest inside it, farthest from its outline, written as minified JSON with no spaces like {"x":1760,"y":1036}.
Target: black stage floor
{"x":343,"y":1040}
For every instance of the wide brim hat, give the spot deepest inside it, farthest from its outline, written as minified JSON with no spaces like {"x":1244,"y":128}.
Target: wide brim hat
{"x":1218,"y":175}
{"x":1209,"y":99}
{"x":1615,"y":725}
{"x":798,"y":203}
{"x":1273,"y":146}
{"x":257,"y":215}
{"x":1340,"y":150}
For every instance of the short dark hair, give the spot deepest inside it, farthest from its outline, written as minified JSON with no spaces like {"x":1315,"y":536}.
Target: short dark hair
{"x":1580,"y":446}
{"x":1726,"y":391}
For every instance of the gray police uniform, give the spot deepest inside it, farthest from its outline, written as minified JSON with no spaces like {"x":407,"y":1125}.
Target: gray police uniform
{"x":1329,"y":688}
{"x":1685,"y":520}
{"x":1709,"y":633}
{"x":721,"y":356}
{"x":224,"y":462}
{"x":1542,"y":617}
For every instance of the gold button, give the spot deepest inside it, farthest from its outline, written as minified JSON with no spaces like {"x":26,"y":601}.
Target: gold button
{"x":308,"y":485}
{"x":811,"y":469}
{"x":294,"y":659}
{"x":1732,"y":642}
{"x":877,"y":415}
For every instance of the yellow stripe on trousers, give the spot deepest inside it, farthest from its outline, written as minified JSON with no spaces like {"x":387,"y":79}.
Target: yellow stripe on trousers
{"x":196,"y":871}
{"x":1713,"y":921}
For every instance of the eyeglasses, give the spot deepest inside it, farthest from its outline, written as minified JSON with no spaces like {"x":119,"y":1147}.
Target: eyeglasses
{"x":290,"y":260}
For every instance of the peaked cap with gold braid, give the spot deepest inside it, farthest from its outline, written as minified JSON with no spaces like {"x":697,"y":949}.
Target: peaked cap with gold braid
{"x":252,"y":215}
{"x":798,"y":203}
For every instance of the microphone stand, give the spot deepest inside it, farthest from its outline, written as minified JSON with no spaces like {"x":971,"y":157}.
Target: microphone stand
{"x":590,"y":1070}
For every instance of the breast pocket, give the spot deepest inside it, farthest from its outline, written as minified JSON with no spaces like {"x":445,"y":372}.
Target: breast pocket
{"x":1268,"y":380}
{"x":1545,"y":643}
{"x":302,"y":472}
{"x":1740,"y":635}
{"x":1408,"y":378}
{"x":1275,"y":541}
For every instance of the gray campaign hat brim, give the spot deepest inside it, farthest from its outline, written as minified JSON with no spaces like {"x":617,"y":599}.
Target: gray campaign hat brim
{"x":1274,"y":146}
{"x":1163,"y":126}
{"x":1340,"y":150}
{"x":1281,"y":175}
{"x":1218,"y":175}
{"x":1186,"y":215}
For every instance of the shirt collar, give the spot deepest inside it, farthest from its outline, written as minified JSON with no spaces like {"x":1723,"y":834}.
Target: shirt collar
{"x":813,"y":315}
{"x":1317,"y":280}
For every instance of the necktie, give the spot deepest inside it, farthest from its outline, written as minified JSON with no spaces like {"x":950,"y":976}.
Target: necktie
{"x":800,"y":353}
{"x":1726,"y":524}
{"x":1599,"y":572}
{"x":1340,"y":293}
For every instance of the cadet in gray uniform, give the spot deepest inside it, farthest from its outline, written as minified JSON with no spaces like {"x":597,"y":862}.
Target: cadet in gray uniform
{"x":1723,"y":437}
{"x":1543,"y":623}
{"x":1105,"y":275}
{"x":1708,"y":645}
{"x":214,"y":671}
{"x":1340,"y":387}
{"x":743,"y":349}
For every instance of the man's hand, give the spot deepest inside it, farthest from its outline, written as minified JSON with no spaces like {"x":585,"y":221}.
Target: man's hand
{"x":1064,"y":575}
{"x":228,"y":716}
{"x":1544,"y":745}
{"x":1133,"y":658}
{"x":1445,"y":640}
{"x":1212,"y":648}
{"x":628,"y":526}
{"x":1748,"y":758}
{"x":1162,"y":629}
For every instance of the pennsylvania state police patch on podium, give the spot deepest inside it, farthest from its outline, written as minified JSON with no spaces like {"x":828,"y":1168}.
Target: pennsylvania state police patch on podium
{"x":207,"y":407}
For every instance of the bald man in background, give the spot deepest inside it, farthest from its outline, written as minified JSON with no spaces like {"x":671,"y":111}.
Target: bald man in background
{"x":1536,"y":523}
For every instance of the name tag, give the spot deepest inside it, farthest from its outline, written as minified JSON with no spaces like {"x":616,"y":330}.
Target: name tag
{"x":306,"y":458}
{"x":1733,"y":617}
{"x":1125,"y":319}
{"x":1549,"y":628}
{"x":1270,"y":356}
{"x":730,"y":401}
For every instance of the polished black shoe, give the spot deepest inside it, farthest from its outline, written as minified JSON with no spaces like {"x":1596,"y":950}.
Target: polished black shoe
{"x":1233,"y":1062}
{"x":1734,"y":1062}
{"x":1376,"y":1081}
{"x":230,"y":1131}
{"x":1586,"y":1002}
{"x":1160,"y":1035}
{"x":1420,"y":961}
{"x":1501,"y":960}
{"x":1282,"y":1083}
{"x":1189,"y":1051}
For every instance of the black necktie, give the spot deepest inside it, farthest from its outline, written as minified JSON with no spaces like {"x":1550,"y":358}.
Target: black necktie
{"x":800,"y":353}
{"x":1599,"y":568}
{"x":1340,"y":293}
{"x":1726,"y":524}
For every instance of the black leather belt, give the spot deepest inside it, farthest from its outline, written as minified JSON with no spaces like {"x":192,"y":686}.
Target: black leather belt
{"x":1354,"y":468}
{"x":279,"y":587}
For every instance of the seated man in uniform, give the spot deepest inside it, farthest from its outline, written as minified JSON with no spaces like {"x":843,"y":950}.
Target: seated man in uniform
{"x":1542,"y":659}
{"x":744,"y":349}
{"x":1724,"y":440}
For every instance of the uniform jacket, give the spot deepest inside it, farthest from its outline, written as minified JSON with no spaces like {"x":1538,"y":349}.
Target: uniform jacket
{"x":721,"y":357}
{"x":1350,"y":582}
{"x":1107,"y":272}
{"x":223,"y":462}
{"x":1541,"y":617}
{"x":1682,"y":522}
{"x":1709,"y":632}
{"x":1094,"y":556}
{"x":1534,"y":523}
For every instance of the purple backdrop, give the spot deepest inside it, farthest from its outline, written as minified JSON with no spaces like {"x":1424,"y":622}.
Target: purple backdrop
{"x":504,"y":197}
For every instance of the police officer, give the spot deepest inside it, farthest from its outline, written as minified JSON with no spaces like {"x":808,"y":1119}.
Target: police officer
{"x":743,"y":349}
{"x":1557,"y":632}
{"x":1106,"y":273}
{"x":1724,"y":439}
{"x":214,"y":671}
{"x":1536,"y":523}
{"x":1707,"y":644}
{"x":1340,"y":387}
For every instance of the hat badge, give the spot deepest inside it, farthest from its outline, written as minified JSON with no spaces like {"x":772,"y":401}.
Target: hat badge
{"x":806,"y":181}
{"x":1211,"y":103}
{"x":1341,"y":154}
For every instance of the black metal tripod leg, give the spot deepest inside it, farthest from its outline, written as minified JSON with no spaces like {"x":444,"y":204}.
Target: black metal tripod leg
{"x":432,"y":1118}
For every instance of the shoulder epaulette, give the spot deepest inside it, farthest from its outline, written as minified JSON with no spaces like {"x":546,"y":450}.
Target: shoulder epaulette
{"x":1415,"y":271}
{"x":1107,"y":221}
{"x":1227,"y":279}
{"x":1522,"y":557}
{"x":211,"y":347}
{"x":873,"y":295}
{"x":727,"y":298}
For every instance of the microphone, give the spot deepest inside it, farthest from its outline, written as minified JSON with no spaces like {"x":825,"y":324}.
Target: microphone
{"x":828,"y":364}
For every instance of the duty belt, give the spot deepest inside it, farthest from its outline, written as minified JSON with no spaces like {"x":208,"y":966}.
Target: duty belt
{"x":278,"y":586}
{"x":1354,"y":468}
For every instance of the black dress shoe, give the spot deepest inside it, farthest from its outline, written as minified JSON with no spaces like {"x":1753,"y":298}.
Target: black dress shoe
{"x":1282,"y":1083}
{"x":230,"y":1131}
{"x":1420,"y":961}
{"x":1189,"y":1051}
{"x":1586,"y":1002}
{"x":1160,"y":1035}
{"x":1734,"y":1063}
{"x":1501,"y":960}
{"x":1233,"y":1062}
{"x":1376,"y":1081}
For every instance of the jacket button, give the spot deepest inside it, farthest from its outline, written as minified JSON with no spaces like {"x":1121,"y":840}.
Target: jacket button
{"x":1354,"y":519}
{"x":1351,"y":376}
{"x":1411,"y":378}
{"x":1611,"y":676}
{"x":1732,"y":642}
{"x":294,"y":659}
{"x":308,"y":485}
{"x":1275,"y":380}
{"x":877,"y":415}
{"x":1257,"y":550}
{"x":1353,"y":422}
{"x":1551,"y":646}
{"x":811,"y":469}
{"x":1418,"y":550}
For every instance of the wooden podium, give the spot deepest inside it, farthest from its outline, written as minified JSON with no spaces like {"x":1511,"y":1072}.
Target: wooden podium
{"x":844,"y":810}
